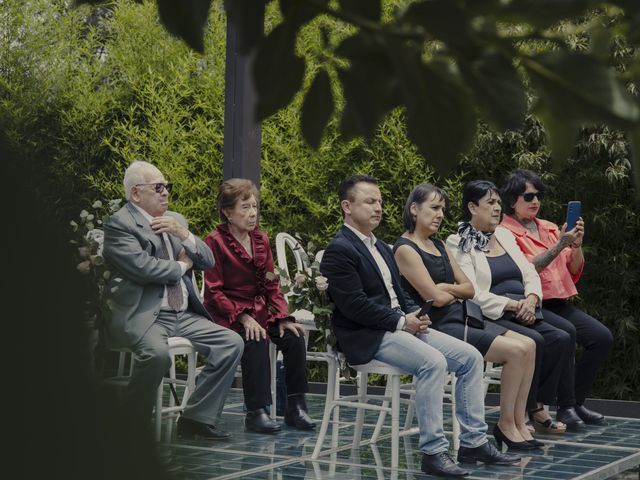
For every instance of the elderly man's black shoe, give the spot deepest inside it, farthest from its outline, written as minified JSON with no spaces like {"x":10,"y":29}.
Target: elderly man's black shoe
{"x":191,"y":429}
{"x":589,"y":416}
{"x":486,"y":453}
{"x":259,"y":421}
{"x":442,"y":464}
{"x":570,"y":418}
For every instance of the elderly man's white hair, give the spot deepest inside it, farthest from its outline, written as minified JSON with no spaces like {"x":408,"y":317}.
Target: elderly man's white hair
{"x":135,"y":174}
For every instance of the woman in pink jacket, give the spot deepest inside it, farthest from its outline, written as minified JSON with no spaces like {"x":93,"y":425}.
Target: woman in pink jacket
{"x":558,"y":258}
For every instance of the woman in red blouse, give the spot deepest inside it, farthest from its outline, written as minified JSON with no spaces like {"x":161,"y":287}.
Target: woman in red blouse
{"x":557,"y":256}
{"x":239,"y":295}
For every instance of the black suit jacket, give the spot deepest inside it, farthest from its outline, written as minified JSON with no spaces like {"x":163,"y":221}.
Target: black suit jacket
{"x":363,"y":310}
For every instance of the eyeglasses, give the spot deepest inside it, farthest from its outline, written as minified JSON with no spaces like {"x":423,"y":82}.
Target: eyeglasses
{"x":528,"y":197}
{"x":158,"y":187}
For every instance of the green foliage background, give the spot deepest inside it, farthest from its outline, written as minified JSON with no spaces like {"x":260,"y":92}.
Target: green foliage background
{"x":84,"y":91}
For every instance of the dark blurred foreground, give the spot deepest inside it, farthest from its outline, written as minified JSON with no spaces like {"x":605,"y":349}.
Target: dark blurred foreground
{"x":61,"y":425}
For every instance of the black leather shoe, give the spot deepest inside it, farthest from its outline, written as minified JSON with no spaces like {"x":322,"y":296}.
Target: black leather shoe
{"x":191,"y":429}
{"x":442,"y":464}
{"x":296,"y":413}
{"x":589,"y":416}
{"x":259,"y":421}
{"x":486,"y":453}
{"x":570,"y":418}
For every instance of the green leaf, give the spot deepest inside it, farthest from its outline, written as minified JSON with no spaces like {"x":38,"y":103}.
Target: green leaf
{"x":634,"y":137}
{"x":277,"y":72}
{"x":441,"y":120}
{"x":248,"y":17}
{"x":370,"y":88}
{"x":186,"y":19}
{"x":561,"y":134}
{"x":601,"y":39}
{"x":581,"y":89}
{"x":367,"y":9}
{"x":444,"y":20}
{"x":270,"y":276}
{"x":300,"y":12}
{"x":317,"y":109}
{"x":542,"y":13}
{"x":498,"y":90}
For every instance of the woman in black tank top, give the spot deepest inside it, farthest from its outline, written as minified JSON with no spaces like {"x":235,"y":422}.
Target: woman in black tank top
{"x":430,"y":272}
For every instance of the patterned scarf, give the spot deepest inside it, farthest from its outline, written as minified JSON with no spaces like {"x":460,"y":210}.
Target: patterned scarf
{"x":471,"y":238}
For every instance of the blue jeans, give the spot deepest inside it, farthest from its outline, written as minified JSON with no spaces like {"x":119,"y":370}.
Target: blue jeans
{"x":428,"y":357}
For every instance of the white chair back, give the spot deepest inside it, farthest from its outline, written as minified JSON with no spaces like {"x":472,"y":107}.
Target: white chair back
{"x":284,"y":240}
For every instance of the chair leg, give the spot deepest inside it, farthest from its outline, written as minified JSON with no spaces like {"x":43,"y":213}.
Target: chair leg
{"x":273,"y":360}
{"x":158,"y":411}
{"x":411,"y":406}
{"x":383,"y":413}
{"x":328,"y":406}
{"x":395,"y":420}
{"x":362,"y":398}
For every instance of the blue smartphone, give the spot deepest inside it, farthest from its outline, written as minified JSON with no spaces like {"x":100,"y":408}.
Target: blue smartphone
{"x":573,"y":213}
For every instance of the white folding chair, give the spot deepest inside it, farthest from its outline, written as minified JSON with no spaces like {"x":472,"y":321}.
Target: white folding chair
{"x":390,"y":403}
{"x":285,"y":243}
{"x":409,"y":389}
{"x":492,"y":375}
{"x":177,"y":346}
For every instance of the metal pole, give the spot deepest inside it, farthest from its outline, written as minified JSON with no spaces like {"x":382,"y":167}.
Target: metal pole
{"x":242,"y":136}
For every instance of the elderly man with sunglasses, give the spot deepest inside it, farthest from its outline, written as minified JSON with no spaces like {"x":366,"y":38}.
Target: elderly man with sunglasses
{"x":152,"y":297}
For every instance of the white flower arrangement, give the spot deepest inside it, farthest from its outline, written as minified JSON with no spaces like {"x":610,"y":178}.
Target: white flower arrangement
{"x":88,"y":236}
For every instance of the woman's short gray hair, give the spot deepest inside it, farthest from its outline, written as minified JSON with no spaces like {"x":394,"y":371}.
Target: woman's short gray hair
{"x":136,"y":174}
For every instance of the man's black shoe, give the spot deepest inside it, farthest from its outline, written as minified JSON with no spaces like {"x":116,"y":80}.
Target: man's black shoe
{"x":570,"y":418}
{"x":486,"y":453}
{"x":259,"y":421}
{"x":191,"y":429}
{"x":442,"y":464}
{"x":589,"y":416}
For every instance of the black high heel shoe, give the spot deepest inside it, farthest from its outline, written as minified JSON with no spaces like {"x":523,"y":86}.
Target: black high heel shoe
{"x":501,"y":437}
{"x":535,"y":443}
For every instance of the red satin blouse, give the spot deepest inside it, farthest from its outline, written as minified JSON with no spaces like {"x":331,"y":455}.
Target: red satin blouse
{"x":238,"y":283}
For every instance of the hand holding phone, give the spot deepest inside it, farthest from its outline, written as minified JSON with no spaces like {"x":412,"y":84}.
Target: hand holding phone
{"x":426,"y":307}
{"x":573,"y":213}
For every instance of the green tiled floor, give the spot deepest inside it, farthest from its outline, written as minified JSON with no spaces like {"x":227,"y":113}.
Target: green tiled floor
{"x":597,"y":453}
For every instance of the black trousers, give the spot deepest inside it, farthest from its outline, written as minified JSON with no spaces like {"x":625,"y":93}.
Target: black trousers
{"x":256,"y":368}
{"x":589,"y":333}
{"x":554,"y":358}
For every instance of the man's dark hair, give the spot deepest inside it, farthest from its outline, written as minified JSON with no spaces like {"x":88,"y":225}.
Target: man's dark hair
{"x":419,"y":195}
{"x":473,"y":192}
{"x":515,"y":184}
{"x":345,"y":190}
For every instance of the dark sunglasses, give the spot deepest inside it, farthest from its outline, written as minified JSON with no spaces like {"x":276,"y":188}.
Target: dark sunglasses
{"x":158,"y":187}
{"x":528,"y":197}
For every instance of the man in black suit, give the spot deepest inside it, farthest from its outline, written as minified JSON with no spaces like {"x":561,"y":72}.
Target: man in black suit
{"x":375,"y":319}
